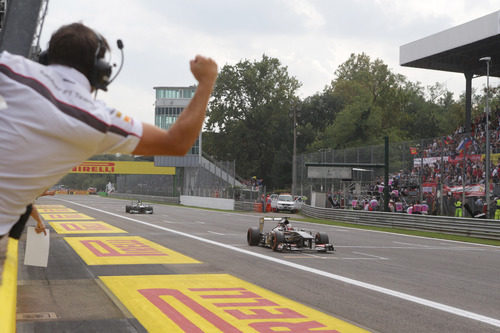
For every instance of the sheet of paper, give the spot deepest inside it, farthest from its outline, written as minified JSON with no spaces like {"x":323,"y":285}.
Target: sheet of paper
{"x":37,"y":248}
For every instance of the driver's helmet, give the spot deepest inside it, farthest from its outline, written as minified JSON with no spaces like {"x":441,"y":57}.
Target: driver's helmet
{"x":287,"y":225}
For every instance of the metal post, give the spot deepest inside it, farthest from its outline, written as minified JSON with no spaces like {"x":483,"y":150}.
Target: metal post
{"x":468,"y":100}
{"x":487,"y":166}
{"x":441,"y":169}
{"x":294,"y":158}
{"x":421,"y":194}
{"x":464,"y":165}
{"x":386,"y":174}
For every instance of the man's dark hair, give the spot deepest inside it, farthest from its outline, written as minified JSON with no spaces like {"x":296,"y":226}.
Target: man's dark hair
{"x":75,"y":45}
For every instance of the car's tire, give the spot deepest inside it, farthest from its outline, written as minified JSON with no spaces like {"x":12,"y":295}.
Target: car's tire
{"x":127,"y":209}
{"x":321,"y":238}
{"x":277,"y":238}
{"x":253,"y":236}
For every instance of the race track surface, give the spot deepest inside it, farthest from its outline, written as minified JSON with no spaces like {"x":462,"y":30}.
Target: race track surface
{"x":191,"y":270}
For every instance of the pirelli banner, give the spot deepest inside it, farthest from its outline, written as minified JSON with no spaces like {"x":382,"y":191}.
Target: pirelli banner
{"x":123,"y":168}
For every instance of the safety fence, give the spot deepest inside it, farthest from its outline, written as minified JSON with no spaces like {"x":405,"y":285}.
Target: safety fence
{"x":471,"y":227}
{"x":435,"y":169}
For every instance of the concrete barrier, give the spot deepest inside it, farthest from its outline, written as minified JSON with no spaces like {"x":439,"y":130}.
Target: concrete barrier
{"x":144,"y":197}
{"x":207,"y":202}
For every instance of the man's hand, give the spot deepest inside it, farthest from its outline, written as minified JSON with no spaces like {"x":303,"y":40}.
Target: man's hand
{"x":39,"y":224}
{"x":204,"y":70}
{"x":40,"y":228}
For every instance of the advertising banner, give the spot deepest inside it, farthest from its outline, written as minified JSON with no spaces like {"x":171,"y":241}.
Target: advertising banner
{"x":122,"y":167}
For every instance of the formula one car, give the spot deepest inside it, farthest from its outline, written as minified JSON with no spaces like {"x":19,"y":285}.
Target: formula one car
{"x":285,"y":237}
{"x":138,"y":207}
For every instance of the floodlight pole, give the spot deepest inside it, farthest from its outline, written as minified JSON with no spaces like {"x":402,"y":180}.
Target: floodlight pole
{"x":487,"y":167}
{"x":294,"y":156}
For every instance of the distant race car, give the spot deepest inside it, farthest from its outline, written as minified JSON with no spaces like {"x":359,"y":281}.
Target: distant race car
{"x":285,"y":237}
{"x":138,"y":207}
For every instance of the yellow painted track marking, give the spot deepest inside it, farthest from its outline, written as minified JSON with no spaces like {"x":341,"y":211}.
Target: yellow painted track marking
{"x":8,"y":289}
{"x":66,"y":216}
{"x":85,"y":227}
{"x":124,"y":250}
{"x":216,"y":303}
{"x":55,"y":210}
{"x":50,"y":206}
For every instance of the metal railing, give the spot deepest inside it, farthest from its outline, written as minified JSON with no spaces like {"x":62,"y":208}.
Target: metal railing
{"x":471,"y":227}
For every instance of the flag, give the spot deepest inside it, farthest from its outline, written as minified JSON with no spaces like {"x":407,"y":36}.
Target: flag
{"x":413,"y":150}
{"x":464,"y":144}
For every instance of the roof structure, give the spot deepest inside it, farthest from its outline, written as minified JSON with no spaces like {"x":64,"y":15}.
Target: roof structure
{"x":458,"y":49}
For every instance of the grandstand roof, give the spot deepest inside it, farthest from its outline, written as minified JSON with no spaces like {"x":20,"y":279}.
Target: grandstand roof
{"x":458,"y":49}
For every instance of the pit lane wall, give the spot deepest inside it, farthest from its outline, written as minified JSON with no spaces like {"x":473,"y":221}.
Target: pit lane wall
{"x":471,"y":227}
{"x":146,"y":198}
{"x":186,"y":200}
{"x":205,"y":202}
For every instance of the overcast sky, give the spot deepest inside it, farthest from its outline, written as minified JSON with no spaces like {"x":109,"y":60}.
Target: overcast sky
{"x":311,"y":37}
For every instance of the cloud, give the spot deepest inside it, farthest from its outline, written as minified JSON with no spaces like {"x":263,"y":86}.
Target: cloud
{"x":311,"y":37}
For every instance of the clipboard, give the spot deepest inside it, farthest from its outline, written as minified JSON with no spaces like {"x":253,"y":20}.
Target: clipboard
{"x":37,"y":248}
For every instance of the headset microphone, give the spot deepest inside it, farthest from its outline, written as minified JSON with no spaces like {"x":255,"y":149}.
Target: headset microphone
{"x":119,"y":43}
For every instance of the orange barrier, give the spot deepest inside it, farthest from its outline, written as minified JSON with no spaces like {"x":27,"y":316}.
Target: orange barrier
{"x":257,"y":207}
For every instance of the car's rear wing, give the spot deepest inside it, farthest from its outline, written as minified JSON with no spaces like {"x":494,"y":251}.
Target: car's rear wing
{"x":269,"y":219}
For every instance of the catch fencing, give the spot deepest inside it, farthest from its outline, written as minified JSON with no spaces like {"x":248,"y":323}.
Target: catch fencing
{"x":431,"y":170}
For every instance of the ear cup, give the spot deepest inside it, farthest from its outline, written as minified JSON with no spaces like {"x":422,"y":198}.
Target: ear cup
{"x":100,"y":75}
{"x":101,"y":72}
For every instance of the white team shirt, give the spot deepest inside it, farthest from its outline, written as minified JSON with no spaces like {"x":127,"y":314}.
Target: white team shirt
{"x":50,"y":123}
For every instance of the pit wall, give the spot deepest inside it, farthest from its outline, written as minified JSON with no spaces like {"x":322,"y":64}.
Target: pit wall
{"x":206,"y":202}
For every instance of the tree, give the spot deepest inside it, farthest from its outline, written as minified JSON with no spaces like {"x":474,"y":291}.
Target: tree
{"x":373,"y":102}
{"x":249,"y":119}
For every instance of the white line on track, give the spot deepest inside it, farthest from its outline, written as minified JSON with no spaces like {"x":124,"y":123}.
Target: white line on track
{"x":372,"y":287}
{"x":313,"y":256}
{"x":215,"y":233}
{"x":411,"y":244}
{"x":446,"y":248}
{"x":370,"y":255}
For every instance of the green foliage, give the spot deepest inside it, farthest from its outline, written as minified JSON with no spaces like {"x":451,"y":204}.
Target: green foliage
{"x":249,"y":119}
{"x":374,"y":103}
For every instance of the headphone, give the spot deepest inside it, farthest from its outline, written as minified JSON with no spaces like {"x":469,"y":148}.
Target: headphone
{"x":100,"y":74}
